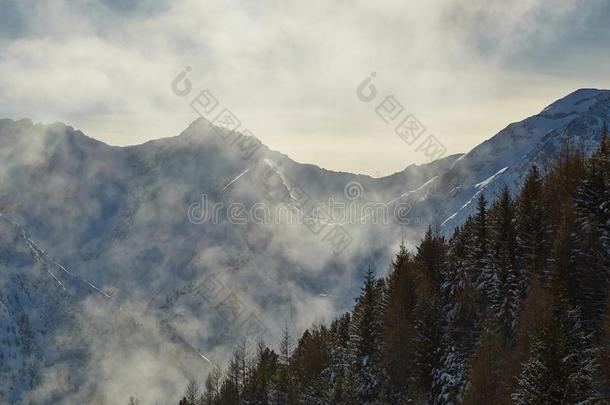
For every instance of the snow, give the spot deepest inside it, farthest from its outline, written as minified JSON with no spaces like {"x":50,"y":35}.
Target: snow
{"x":486,"y":182}
{"x":576,"y":102}
{"x":152,"y":248}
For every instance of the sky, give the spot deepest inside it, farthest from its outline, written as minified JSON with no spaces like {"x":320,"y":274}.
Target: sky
{"x":290,"y":71}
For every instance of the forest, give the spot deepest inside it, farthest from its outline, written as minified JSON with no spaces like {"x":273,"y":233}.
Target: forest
{"x":513,"y":308}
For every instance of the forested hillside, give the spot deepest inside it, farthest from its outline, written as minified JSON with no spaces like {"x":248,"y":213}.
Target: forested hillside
{"x":512,"y":309}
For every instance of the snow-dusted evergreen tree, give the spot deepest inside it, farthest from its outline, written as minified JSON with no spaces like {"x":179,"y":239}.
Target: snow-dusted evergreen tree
{"x":532,"y":228}
{"x":458,"y":288}
{"x":192,"y":392}
{"x":453,"y":324}
{"x":561,"y":183}
{"x":398,"y":329}
{"x":431,"y":256}
{"x":212,"y":386}
{"x":561,"y":365}
{"x":536,"y":385}
{"x":579,"y":361}
{"x":604,"y":354}
{"x":429,"y":334}
{"x":366,"y":341}
{"x":339,"y":359}
{"x":282,"y":389}
{"x":507,"y":281}
{"x":480,"y":265}
{"x":487,"y":377}
{"x":449,"y":379}
{"x":592,"y":209}
{"x":312,"y":367}
{"x":429,"y":318}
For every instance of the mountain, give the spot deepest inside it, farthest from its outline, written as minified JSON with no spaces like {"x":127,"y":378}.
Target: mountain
{"x":164,"y":253}
{"x":576,"y":119}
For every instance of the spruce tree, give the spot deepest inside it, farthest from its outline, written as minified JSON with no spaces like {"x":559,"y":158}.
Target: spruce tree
{"x":191,"y":395}
{"x":592,"y":251}
{"x":458,"y":288}
{"x":398,"y":328}
{"x":507,"y":282}
{"x":561,"y":365}
{"x":212,"y":386}
{"x":532,"y":228}
{"x":479,"y":263}
{"x":366,"y":341}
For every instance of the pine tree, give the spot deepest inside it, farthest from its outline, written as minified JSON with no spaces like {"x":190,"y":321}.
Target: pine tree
{"x":258,"y":390}
{"x":592,"y":252}
{"x":479,"y":263}
{"x":431,"y":260}
{"x":192,"y":392}
{"x":604,"y":354}
{"x":561,"y":364}
{"x":212,"y":386}
{"x":458,"y":288}
{"x":366,"y":341}
{"x":507,"y":281}
{"x":233,"y":387}
{"x":532,"y":228}
{"x":508,"y":311}
{"x":398,"y":328}
{"x":431,"y":255}
{"x":429,"y":337}
{"x":339,"y":359}
{"x":536,"y":385}
{"x":486,"y":373}
{"x":283,"y":384}
{"x":449,"y":378}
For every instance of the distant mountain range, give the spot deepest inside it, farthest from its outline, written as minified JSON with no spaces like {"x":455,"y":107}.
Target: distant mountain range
{"x":163,"y":254}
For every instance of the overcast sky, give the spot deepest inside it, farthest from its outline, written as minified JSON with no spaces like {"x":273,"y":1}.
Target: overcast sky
{"x":289,"y":70}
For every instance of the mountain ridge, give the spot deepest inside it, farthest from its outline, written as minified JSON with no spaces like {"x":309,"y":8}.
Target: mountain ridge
{"x":118,"y":218}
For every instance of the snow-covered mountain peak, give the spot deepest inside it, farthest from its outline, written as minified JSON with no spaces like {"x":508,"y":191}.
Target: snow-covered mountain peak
{"x":118,"y":219}
{"x":576,"y":102}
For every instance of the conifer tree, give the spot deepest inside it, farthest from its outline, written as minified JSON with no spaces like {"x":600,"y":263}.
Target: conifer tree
{"x":507,"y":281}
{"x":486,"y":373}
{"x":479,"y":264}
{"x":532,"y":228}
{"x":449,"y":378}
{"x":398,"y":328}
{"x":283,"y":384}
{"x":366,"y":340}
{"x":192,"y":393}
{"x":458,"y":288}
{"x":212,"y":386}
{"x":604,"y":354}
{"x":431,"y":255}
{"x":561,"y":364}
{"x":509,"y":310}
{"x":339,"y":359}
{"x":429,"y":337}
{"x":592,"y":252}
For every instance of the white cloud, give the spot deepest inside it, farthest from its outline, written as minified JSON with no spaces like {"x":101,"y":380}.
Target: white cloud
{"x":289,"y":70}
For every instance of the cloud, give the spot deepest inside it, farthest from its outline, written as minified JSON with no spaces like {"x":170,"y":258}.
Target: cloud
{"x":289,"y":70}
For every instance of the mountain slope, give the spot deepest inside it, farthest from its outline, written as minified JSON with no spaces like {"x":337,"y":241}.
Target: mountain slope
{"x":576,"y":120}
{"x":138,"y":262}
